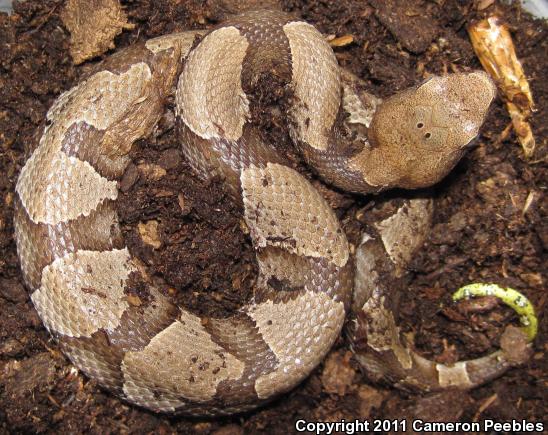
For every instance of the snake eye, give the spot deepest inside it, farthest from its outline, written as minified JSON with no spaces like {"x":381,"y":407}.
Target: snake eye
{"x":428,"y":135}
{"x":420,"y":125}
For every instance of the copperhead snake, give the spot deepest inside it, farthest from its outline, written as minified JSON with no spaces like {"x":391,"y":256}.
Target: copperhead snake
{"x":165,"y":358}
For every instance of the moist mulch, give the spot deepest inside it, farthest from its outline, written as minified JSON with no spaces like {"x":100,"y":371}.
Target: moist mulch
{"x":490,"y":224}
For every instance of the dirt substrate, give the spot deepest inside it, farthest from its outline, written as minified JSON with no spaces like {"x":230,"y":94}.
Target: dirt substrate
{"x":490,"y":225}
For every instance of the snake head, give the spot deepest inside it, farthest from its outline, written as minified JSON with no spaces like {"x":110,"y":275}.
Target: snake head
{"x":420,"y":134}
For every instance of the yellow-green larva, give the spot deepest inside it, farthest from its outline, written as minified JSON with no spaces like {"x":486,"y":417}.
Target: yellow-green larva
{"x":514,"y":299}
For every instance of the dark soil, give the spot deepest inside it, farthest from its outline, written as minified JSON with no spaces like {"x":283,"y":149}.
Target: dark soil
{"x":490,"y":225}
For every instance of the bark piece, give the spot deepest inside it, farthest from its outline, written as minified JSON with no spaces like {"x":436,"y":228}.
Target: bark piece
{"x":93,"y":25}
{"x":409,"y":25}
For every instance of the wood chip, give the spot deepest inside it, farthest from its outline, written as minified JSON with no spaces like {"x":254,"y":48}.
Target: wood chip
{"x":486,"y":404}
{"x":13,"y":290}
{"x":515,"y":345}
{"x":337,"y":374}
{"x":341,"y":41}
{"x":149,"y":233}
{"x":369,"y":398}
{"x":134,"y":300}
{"x":231,"y":429}
{"x":484,"y":4}
{"x":151,"y":171}
{"x":530,"y":199}
{"x":181,"y":200}
{"x":131,"y":175}
{"x":184,"y":205}
{"x":170,"y":158}
{"x":93,"y":25}
{"x":162,"y":193}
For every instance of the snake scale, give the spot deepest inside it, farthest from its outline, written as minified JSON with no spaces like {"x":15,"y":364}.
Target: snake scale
{"x":159,"y":355}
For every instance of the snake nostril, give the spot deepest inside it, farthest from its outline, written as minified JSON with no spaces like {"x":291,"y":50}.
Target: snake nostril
{"x":428,"y":135}
{"x":420,"y":125}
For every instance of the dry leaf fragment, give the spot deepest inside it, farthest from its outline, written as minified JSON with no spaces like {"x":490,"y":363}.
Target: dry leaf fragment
{"x":93,"y":24}
{"x":494,"y":47}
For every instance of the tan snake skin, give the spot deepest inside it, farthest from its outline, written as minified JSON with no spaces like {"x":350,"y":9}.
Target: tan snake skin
{"x":158,"y":355}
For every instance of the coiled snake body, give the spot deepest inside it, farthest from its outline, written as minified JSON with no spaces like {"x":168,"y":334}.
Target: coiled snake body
{"x":161,"y":356}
